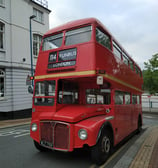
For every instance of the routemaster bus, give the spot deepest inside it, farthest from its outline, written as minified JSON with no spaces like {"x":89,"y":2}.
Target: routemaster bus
{"x":87,"y":90}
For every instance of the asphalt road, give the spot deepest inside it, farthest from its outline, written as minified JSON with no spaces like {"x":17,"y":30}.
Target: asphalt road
{"x":150,"y":119}
{"x":17,"y":150}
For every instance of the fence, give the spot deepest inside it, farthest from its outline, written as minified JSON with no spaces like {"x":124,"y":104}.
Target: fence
{"x":150,"y":103}
{"x":44,"y":3}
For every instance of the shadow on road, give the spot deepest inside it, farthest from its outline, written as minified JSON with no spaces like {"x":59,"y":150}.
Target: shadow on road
{"x":126,"y":144}
{"x":78,"y":158}
{"x":81,"y":157}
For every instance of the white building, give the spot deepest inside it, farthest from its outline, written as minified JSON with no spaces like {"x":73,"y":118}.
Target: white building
{"x":15,"y":101}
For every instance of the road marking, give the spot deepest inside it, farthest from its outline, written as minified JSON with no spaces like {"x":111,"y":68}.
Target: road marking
{"x":150,"y":117}
{"x":21,"y":135}
{"x":4,"y":131}
{"x":15,"y":132}
{"x":116,"y":153}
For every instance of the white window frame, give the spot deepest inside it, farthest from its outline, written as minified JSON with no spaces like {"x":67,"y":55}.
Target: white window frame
{"x":2,"y":75}
{"x":37,"y":43}
{"x":39,"y":15}
{"x":2,"y":3}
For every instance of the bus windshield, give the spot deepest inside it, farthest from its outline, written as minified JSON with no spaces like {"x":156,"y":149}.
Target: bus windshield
{"x":67,"y":92}
{"x":77,"y":36}
{"x":52,"y":42}
{"x":44,"y":93}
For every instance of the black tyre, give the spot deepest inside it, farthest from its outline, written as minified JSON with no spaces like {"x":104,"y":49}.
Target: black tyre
{"x":139,"y":129}
{"x":39,"y":147}
{"x":101,"y":151}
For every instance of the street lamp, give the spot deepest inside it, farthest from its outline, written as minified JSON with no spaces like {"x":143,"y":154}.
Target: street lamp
{"x":31,"y":17}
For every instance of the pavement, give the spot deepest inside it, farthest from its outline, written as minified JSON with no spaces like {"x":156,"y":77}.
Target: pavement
{"x":15,"y":122}
{"x":147,"y":155}
{"x":142,"y":154}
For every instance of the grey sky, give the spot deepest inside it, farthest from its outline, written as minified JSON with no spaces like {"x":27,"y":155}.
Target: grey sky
{"x":134,"y":23}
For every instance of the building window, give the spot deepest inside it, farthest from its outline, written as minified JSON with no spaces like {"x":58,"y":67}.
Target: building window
{"x":1,"y":35}
{"x":39,"y":15}
{"x":2,"y":80}
{"x":2,"y":3}
{"x":36,"y":44}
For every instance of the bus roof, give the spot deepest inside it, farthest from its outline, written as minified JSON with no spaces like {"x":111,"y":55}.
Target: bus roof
{"x":85,"y":21}
{"x":73,"y":24}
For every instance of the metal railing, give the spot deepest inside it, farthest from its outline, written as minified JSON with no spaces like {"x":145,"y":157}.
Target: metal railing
{"x":150,"y":103}
{"x":43,"y":3}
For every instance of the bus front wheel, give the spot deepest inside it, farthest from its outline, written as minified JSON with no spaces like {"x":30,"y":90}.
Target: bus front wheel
{"x":139,"y":128}
{"x":101,"y":151}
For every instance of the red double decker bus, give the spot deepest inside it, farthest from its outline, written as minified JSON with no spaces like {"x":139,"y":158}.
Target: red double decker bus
{"x":87,"y":90}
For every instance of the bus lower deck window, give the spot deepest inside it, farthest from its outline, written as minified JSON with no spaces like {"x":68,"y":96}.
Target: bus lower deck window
{"x":67,"y":92}
{"x":98,"y":96}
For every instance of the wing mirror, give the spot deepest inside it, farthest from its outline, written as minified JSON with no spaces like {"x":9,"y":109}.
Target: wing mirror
{"x":30,"y":89}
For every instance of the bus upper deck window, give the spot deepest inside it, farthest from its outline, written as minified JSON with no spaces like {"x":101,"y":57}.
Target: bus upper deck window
{"x":103,"y":39}
{"x":52,"y":42}
{"x":80,"y":35}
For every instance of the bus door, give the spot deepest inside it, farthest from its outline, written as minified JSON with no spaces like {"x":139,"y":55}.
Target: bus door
{"x":136,"y":109}
{"x":122,"y":115}
{"x":128,"y":112}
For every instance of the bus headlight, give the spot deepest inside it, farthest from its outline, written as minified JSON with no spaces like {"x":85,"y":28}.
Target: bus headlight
{"x":82,"y":133}
{"x":34,"y":127}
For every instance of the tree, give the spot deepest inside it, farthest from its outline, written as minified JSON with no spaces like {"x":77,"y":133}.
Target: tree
{"x":150,"y":75}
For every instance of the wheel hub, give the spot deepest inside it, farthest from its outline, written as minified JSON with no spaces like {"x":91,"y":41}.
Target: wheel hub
{"x":106,"y":145}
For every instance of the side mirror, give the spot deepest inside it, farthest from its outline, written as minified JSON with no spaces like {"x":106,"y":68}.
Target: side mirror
{"x":30,"y":89}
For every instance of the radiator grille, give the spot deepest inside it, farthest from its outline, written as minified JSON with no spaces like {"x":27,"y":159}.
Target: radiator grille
{"x":55,"y":135}
{"x":46,"y":132}
{"x":61,"y":135}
